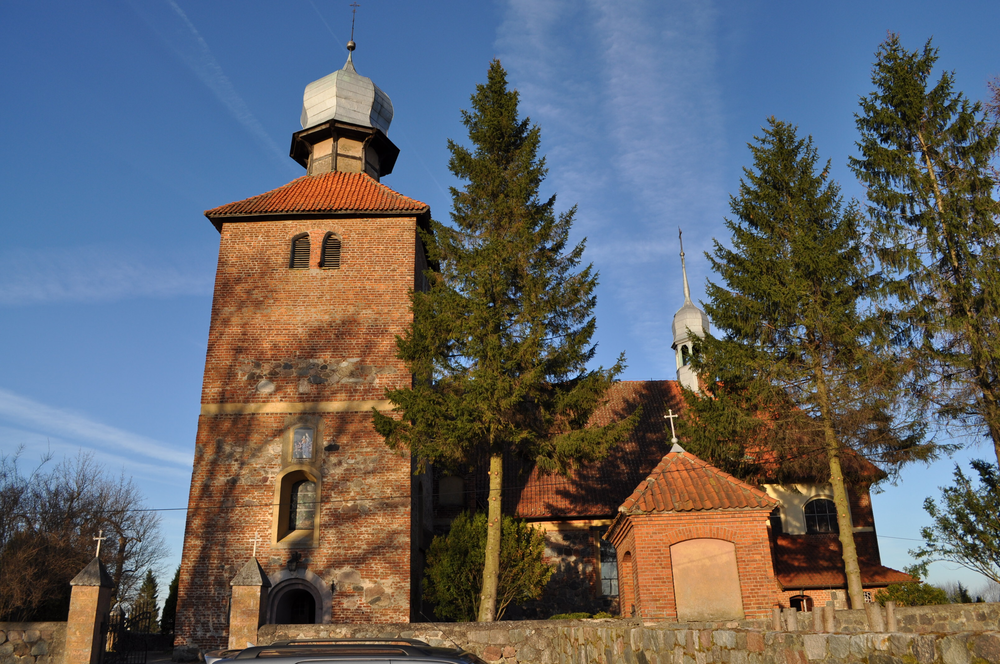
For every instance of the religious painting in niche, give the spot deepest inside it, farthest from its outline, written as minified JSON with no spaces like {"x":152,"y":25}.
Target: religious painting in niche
{"x":302,"y":443}
{"x":302,"y":506}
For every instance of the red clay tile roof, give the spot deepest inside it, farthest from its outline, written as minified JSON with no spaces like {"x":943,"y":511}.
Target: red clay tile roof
{"x":596,"y":490}
{"x":816,"y":561}
{"x":682,"y":482}
{"x":328,"y":192}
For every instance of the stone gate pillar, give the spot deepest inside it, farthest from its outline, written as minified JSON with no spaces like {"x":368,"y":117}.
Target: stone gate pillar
{"x":248,"y":608}
{"x":88,"y":607}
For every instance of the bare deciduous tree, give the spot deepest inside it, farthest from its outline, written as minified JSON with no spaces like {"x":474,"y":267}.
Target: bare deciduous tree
{"x":49,"y":519}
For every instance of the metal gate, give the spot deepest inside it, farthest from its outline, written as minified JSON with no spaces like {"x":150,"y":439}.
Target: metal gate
{"x":126,"y":638}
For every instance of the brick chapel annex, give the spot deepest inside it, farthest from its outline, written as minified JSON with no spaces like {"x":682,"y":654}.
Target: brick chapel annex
{"x":300,"y":511}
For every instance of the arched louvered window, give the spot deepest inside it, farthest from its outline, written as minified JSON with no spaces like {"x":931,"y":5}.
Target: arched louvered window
{"x":300,"y":253}
{"x":331,"y":252}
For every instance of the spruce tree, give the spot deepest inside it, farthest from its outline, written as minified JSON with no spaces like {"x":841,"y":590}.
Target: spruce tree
{"x":800,"y":365}
{"x":501,"y":340}
{"x":146,"y":603}
{"x":925,"y":160}
{"x":170,"y":605}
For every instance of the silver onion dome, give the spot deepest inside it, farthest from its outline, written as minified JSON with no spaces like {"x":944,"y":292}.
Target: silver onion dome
{"x":346,"y":96}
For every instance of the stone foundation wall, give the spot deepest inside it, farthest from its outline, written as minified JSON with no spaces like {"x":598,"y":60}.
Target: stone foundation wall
{"x":32,"y":642}
{"x":954,"y":634}
{"x":946,"y":618}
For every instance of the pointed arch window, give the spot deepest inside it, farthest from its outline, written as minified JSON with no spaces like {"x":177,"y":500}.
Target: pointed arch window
{"x":331,"y":252}
{"x":300,"y":253}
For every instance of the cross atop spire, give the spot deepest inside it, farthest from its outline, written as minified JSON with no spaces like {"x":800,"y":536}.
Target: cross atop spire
{"x":687,"y":289}
{"x":100,"y":538}
{"x":354,"y":12}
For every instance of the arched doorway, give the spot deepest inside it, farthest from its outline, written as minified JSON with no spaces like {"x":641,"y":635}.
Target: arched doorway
{"x":706,"y":580}
{"x":294,"y":602}
{"x":626,"y":587}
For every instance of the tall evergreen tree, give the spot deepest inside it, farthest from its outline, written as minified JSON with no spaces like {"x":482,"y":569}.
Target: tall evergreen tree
{"x":146,"y":603}
{"x":500,"y":341}
{"x":800,"y":366}
{"x":925,"y":160}
{"x":170,"y":605}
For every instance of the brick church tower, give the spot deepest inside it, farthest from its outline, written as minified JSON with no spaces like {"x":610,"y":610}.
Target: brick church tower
{"x":311,"y":289}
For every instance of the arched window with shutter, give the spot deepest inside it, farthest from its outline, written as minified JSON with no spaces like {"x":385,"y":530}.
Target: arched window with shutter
{"x":331,"y":252}
{"x":300,"y":252}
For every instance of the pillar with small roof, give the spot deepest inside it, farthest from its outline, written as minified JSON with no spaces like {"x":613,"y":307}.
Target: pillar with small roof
{"x":88,"y":608}
{"x":249,"y":604}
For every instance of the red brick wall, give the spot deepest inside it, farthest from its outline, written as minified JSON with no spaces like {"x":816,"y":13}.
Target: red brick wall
{"x":650,"y":540}
{"x":860,"y":500}
{"x":820,"y":596}
{"x":315,"y":336}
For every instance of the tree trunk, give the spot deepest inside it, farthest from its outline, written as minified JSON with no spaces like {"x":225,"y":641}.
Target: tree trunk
{"x":491,"y":568}
{"x":119,"y":568}
{"x":852,"y":570}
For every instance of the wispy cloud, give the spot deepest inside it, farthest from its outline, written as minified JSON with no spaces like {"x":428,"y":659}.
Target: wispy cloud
{"x":633,"y":128}
{"x":96,"y":273}
{"x":44,"y":419}
{"x":34,"y":446}
{"x":189,"y":45}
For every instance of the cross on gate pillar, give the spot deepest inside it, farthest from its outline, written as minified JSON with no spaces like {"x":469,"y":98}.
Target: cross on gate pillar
{"x":88,"y":607}
{"x":249,"y":604}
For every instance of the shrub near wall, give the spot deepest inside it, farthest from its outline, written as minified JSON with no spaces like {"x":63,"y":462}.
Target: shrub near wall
{"x":32,"y":642}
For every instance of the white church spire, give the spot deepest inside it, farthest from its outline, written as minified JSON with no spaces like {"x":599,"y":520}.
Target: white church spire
{"x":689,"y":322}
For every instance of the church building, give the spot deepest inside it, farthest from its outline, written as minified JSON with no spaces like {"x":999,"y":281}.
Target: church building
{"x":311,"y":289}
{"x":298,"y":511}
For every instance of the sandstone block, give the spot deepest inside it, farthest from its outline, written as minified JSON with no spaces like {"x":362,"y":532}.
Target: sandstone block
{"x":724,"y":638}
{"x":492,"y":653}
{"x":840,"y":646}
{"x":815,"y":646}
{"x":987,"y":647}
{"x":954,"y":650}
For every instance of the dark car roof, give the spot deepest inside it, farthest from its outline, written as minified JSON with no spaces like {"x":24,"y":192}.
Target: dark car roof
{"x":366,"y":649}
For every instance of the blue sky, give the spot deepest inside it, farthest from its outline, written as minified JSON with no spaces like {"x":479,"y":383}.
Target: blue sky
{"x":125,"y":120}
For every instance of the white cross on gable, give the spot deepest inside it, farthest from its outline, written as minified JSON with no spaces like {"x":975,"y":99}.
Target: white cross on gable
{"x":671,"y":417}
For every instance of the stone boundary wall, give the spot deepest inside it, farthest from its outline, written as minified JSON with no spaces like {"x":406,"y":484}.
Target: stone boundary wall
{"x":942,"y":619}
{"x":32,"y":642}
{"x":953,"y":634}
